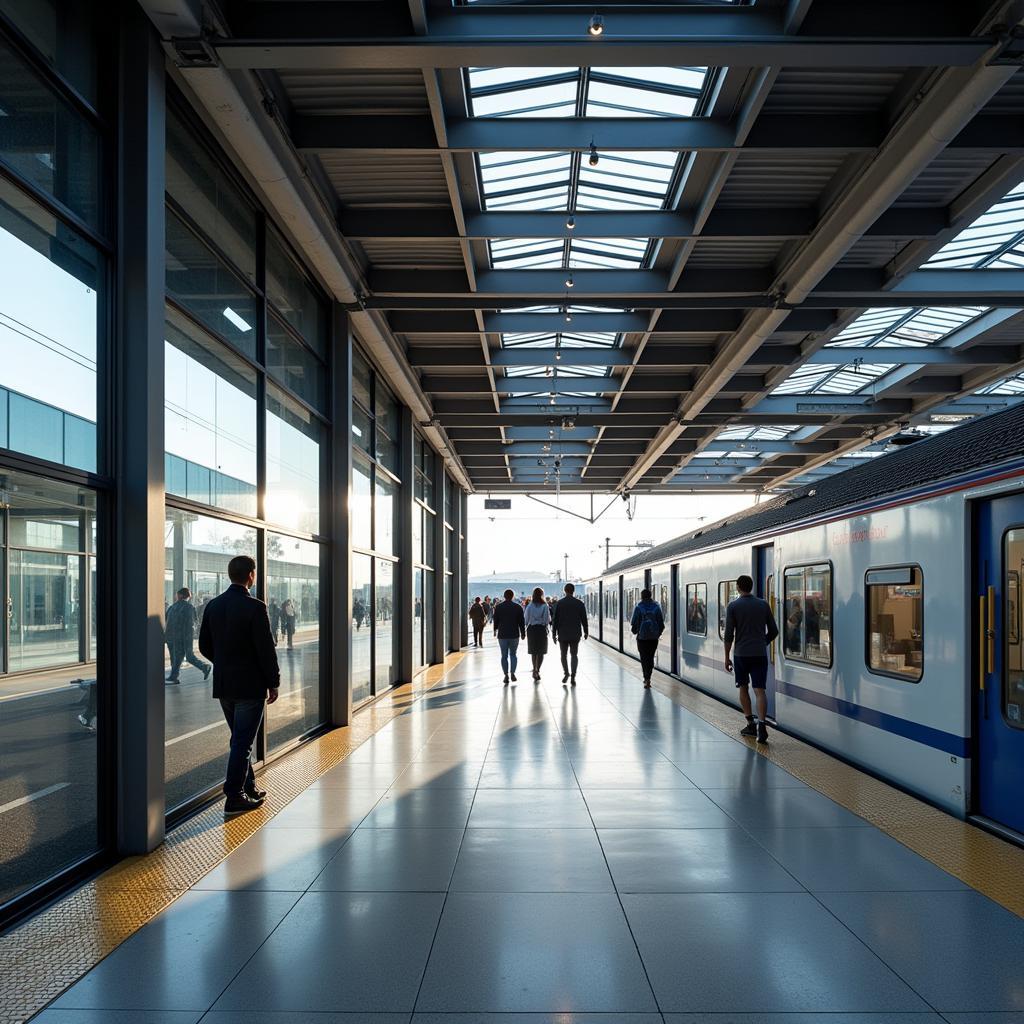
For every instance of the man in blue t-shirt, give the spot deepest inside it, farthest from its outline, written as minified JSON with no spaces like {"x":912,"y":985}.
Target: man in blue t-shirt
{"x":750,"y":628}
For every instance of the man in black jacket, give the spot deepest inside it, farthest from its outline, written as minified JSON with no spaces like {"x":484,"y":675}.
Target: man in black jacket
{"x":568,"y":625}
{"x":180,"y":631}
{"x":509,"y":627}
{"x":235,"y":636}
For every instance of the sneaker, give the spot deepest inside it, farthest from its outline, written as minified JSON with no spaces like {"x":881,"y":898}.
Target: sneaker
{"x":176,"y":682}
{"x":647,"y":684}
{"x":255,"y":794}
{"x":85,"y":722}
{"x":572,"y":682}
{"x":241,"y":803}
{"x":750,"y":729}
{"x":206,"y":672}
{"x":513,"y":677}
{"x":565,"y":678}
{"x":506,"y":680}
{"x":762,"y":732}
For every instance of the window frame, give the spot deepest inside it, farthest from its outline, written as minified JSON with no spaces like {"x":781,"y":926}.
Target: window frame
{"x":686,"y":605}
{"x":722,"y":605}
{"x":912,"y":566}
{"x":831,"y":607}
{"x":1004,"y":632}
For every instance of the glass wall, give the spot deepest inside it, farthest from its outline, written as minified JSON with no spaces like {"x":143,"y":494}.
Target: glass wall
{"x":423,"y":548}
{"x":245,"y":393}
{"x":374,"y":531}
{"x":54,"y":480}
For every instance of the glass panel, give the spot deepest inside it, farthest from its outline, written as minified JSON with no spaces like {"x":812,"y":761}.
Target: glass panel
{"x":385,"y":513}
{"x":1013,"y":673}
{"x":48,"y":329}
{"x":387,"y":429}
{"x":428,"y":617}
{"x":417,"y":533}
{"x":697,"y":608}
{"x":361,"y":594}
{"x":295,"y":366}
{"x":202,"y":284}
{"x":361,"y":380}
{"x":727,"y":591}
{"x":361,"y":512}
{"x":209,"y":420}
{"x":293,"y":464}
{"x":45,"y":141}
{"x":417,"y":620}
{"x":48,"y":767}
{"x":429,"y":538}
{"x":362,"y":429}
{"x":293,"y":296}
{"x":293,"y":584}
{"x":895,"y":623}
{"x":197,"y":552}
{"x":808,"y":613}
{"x":384,"y":635}
{"x":448,"y":587}
{"x":203,"y":190}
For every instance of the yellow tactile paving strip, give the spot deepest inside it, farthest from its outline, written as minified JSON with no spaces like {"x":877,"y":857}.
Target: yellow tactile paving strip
{"x":981,"y":860}
{"x":52,"y":950}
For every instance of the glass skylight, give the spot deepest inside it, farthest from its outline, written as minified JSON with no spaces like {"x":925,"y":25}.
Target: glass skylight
{"x":886,"y":326}
{"x":628,"y":253}
{"x":626,"y":181}
{"x":531,"y":253}
{"x":569,"y":340}
{"x":1013,"y":385}
{"x":525,"y":181}
{"x":995,"y":239}
{"x":777,"y":433}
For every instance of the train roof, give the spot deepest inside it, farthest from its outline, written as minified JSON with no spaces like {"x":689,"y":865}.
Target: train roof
{"x":986,"y":441}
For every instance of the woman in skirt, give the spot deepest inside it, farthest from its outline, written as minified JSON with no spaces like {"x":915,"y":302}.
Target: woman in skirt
{"x":538,"y":618}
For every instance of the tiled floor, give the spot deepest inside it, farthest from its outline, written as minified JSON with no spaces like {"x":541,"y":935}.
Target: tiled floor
{"x":537,"y":855}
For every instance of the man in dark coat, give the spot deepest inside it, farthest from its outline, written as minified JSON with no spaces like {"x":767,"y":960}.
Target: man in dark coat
{"x":180,"y":633}
{"x":568,"y":627}
{"x":236,"y":637}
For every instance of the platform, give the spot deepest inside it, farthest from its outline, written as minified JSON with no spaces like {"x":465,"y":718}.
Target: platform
{"x":540,"y":855}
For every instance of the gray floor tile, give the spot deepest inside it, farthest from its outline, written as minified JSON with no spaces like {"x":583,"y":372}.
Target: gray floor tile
{"x":845,"y":860}
{"x":537,"y":1018}
{"x":784,"y":808}
{"x":185,"y":956}
{"x":984,"y":1018}
{"x":528,"y":775}
{"x":960,"y":950}
{"x":758,"y":953}
{"x":438,"y":775}
{"x":534,"y":953}
{"x":752,"y":775}
{"x":655,"y":808}
{"x":692,"y":860}
{"x":58,"y":1016}
{"x":529,"y":808}
{"x":341,"y":951}
{"x":706,"y":749}
{"x":622,"y":753}
{"x":421,"y":808}
{"x":803,"y":1018}
{"x":301,"y":1017}
{"x":338,"y":809}
{"x":531,"y":860}
{"x":360,"y":776}
{"x":638,"y":775}
{"x":393,"y":860}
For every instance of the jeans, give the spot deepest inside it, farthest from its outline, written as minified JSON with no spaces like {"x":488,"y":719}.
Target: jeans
{"x":508,"y":654}
{"x":572,"y":648}
{"x":243,"y":717}
{"x":478,"y":636}
{"x":647,"y":650}
{"x":182,"y":650}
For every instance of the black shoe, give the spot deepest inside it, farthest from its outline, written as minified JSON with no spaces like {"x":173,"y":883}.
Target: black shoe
{"x":565,"y":678}
{"x":172,"y":679}
{"x":513,"y":677}
{"x":256,"y":794}
{"x":241,"y":803}
{"x":750,"y":729}
{"x":572,"y":682}
{"x":506,"y":680}
{"x":762,"y":732}
{"x":206,"y":671}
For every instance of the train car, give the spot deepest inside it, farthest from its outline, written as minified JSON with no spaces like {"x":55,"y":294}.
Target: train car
{"x":897,"y":589}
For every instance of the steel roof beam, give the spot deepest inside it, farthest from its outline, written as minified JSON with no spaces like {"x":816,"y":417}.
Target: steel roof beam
{"x":930,"y":355}
{"x":566,"y":357}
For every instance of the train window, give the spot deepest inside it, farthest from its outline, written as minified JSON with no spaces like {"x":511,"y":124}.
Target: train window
{"x":895,"y":622}
{"x":807,"y":607}
{"x":727,"y":591}
{"x":697,"y":608}
{"x":1013,"y":665}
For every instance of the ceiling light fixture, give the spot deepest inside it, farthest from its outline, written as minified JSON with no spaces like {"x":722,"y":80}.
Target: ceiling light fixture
{"x":596,"y":26}
{"x":569,"y":282}
{"x":594,"y":158}
{"x":570,"y":222}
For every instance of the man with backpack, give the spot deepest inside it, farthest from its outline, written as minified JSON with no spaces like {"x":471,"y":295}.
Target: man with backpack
{"x":647,"y":625}
{"x":750,"y":625}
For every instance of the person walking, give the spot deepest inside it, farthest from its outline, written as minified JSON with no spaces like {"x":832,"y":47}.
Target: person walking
{"x":180,"y":631}
{"x":568,"y":626}
{"x":478,"y":616}
{"x":359,"y":612}
{"x":509,"y":628}
{"x":750,"y":629}
{"x":488,"y":607}
{"x":647,"y":625}
{"x":289,"y":616}
{"x":538,"y":618}
{"x":236,"y":637}
{"x":274,"y":610}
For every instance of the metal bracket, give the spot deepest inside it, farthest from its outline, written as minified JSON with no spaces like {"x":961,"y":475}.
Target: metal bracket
{"x":195,"y":52}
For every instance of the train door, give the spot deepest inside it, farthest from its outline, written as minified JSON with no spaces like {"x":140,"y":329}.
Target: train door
{"x":999,"y":702}
{"x":764,"y":584}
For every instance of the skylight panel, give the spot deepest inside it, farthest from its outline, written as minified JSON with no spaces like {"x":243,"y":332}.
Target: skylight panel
{"x":525,"y":181}
{"x":776,"y":433}
{"x":530,"y":253}
{"x":523,"y":92}
{"x":994,"y":239}
{"x":691,"y":79}
{"x":1013,"y":385}
{"x":902,"y":327}
{"x":626,"y":181}
{"x":627,"y":253}
{"x":612,"y":99}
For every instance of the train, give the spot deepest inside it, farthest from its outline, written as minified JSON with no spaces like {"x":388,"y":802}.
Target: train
{"x":896,"y":586}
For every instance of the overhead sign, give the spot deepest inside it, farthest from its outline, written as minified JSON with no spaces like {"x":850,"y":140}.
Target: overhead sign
{"x":497,"y":503}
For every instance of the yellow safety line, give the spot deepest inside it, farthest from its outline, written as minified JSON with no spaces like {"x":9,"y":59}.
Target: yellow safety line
{"x":988,"y":864}
{"x":49,"y":952}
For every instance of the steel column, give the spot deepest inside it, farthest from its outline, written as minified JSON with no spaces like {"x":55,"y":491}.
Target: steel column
{"x":463,"y":568}
{"x":405,"y":604}
{"x":340,"y":584}
{"x":438,"y":624}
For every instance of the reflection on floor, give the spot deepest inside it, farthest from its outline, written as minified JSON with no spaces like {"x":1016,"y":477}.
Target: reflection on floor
{"x":562,"y":856}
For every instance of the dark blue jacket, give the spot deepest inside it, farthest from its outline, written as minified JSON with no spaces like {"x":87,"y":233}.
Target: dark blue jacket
{"x":235,"y":636}
{"x":651,"y":608}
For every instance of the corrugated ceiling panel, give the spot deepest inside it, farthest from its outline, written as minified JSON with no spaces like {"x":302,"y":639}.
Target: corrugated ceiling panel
{"x":827,"y":91}
{"x":726,"y":252}
{"x":872,"y":252}
{"x":404,"y":253}
{"x":945,"y":178}
{"x":373,"y":179}
{"x":760,"y":179}
{"x":356,"y":92}
{"x":1009,"y":99}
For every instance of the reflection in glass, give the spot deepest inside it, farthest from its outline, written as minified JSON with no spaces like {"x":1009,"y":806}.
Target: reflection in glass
{"x":361,"y":638}
{"x":895,"y":608}
{"x":293,"y":585}
{"x":295,"y":299}
{"x":294,"y":366}
{"x":361,"y":512}
{"x":209,"y":420}
{"x":293,"y":464}
{"x":417,"y":620}
{"x":384,"y":633}
{"x":47,"y":348}
{"x":197,"y":552}
{"x":385,"y":512}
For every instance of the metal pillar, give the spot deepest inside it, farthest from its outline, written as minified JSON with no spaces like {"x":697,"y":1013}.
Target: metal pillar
{"x":339,"y":586}
{"x":440,"y":648}
{"x":457,"y":612}
{"x":407,"y":508}
{"x":138,"y":410}
{"x":463,"y":570}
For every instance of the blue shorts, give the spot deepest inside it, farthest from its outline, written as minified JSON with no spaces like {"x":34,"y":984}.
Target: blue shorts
{"x":750,"y":671}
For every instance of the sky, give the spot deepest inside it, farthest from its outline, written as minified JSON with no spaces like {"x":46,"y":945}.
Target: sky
{"x":531,"y":538}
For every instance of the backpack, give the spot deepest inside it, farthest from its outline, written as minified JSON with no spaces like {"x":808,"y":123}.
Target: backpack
{"x":648,"y":626}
